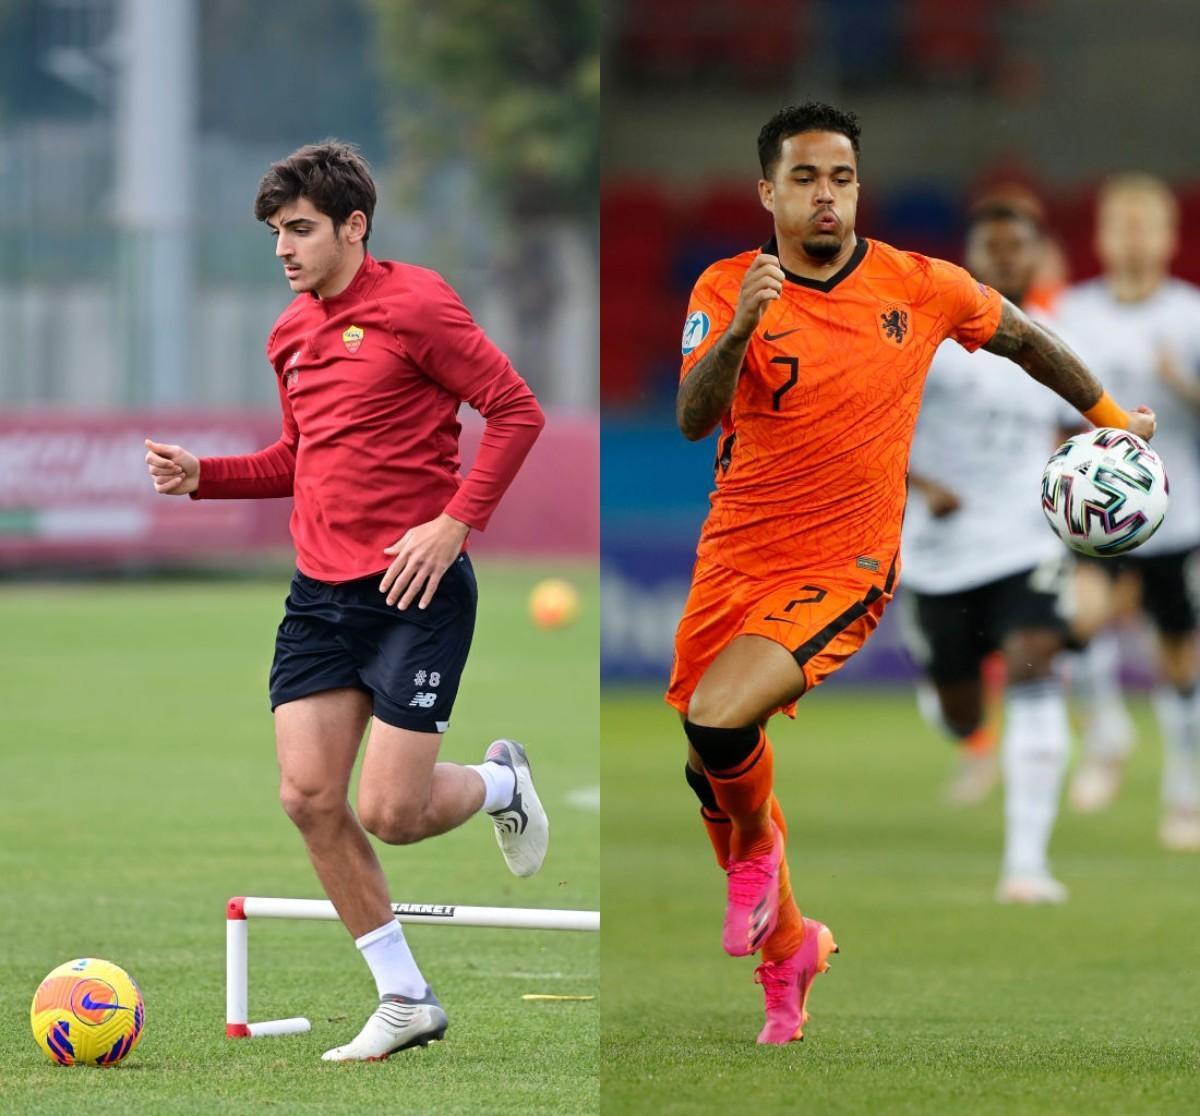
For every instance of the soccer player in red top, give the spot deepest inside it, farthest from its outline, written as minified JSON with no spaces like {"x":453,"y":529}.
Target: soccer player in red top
{"x":372,"y":360}
{"x":810,"y":356}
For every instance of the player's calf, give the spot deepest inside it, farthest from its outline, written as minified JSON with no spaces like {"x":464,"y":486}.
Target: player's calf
{"x":716,"y":822}
{"x":739,"y":768}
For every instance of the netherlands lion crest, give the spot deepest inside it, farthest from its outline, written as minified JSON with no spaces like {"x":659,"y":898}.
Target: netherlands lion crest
{"x":894,"y":323}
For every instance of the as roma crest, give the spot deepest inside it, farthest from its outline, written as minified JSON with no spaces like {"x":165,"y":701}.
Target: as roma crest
{"x":352,"y":338}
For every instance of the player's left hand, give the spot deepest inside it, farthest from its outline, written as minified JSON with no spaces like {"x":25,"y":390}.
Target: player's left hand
{"x":421,"y":556}
{"x":1170,"y":372}
{"x":1143,"y":422}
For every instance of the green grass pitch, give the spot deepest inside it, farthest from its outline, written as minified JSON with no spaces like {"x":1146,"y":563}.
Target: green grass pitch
{"x":138,"y":771}
{"x":940,"y":1001}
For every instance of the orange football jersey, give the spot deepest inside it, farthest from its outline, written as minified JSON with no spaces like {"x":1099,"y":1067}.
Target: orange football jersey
{"x":813,"y":453}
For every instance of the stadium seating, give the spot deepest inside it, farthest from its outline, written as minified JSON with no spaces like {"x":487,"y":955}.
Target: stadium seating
{"x":656,"y":242}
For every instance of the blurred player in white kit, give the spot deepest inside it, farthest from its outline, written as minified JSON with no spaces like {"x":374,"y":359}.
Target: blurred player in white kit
{"x":983,"y":570}
{"x":1138,"y":328}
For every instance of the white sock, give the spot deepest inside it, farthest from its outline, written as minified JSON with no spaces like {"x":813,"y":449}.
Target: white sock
{"x":391,"y":962}
{"x":1179,"y":723}
{"x":1035,"y":747}
{"x":929,"y":705}
{"x":1100,"y":667}
{"x":1109,"y":729}
{"x":499,"y":784}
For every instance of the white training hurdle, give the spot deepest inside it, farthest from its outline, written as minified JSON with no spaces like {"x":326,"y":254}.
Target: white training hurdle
{"x":242,"y":908}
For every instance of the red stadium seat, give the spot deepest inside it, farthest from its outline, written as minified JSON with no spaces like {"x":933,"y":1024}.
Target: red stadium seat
{"x":1071,"y":216}
{"x":950,"y":39}
{"x":731,"y":210}
{"x":1187,"y":262}
{"x":636,"y":226}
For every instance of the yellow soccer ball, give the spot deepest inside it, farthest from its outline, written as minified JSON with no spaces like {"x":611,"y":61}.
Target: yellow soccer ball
{"x":553,"y":602}
{"x":87,"y":1012}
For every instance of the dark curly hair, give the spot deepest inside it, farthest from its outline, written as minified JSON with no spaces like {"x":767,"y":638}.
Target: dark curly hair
{"x":332,"y":175}
{"x":812,"y":116}
{"x":1005,"y":209}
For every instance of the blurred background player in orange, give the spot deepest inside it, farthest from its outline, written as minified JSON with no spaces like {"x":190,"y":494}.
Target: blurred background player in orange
{"x":817,"y":399}
{"x":1140,"y":329}
{"x":982,"y":572}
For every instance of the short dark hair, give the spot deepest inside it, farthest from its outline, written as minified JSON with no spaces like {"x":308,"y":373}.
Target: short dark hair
{"x":812,"y":116}
{"x":332,"y":175}
{"x":986,"y":211}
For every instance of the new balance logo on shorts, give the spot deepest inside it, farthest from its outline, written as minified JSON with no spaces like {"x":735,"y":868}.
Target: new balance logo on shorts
{"x":423,"y":701}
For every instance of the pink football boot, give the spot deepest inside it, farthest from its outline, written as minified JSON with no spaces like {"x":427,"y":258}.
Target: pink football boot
{"x":786,"y":983}
{"x":752,"y":906}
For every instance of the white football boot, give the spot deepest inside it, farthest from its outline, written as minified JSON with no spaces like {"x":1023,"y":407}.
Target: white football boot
{"x":398,"y":1023}
{"x":1095,"y":784}
{"x":522,"y":828}
{"x":1180,"y":830}
{"x":1107,"y":742}
{"x":976,"y":775}
{"x":1030,"y":890}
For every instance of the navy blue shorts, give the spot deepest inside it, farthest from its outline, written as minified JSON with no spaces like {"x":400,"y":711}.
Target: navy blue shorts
{"x":346,"y":634}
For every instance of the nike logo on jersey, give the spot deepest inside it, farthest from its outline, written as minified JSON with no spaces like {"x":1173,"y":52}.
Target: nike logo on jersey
{"x":767,"y":336}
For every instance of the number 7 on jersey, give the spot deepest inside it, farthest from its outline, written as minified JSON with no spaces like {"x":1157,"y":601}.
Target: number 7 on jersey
{"x":793,"y":366}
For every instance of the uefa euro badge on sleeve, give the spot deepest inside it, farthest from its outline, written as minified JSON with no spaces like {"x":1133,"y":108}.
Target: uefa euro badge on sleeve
{"x":695,"y":330}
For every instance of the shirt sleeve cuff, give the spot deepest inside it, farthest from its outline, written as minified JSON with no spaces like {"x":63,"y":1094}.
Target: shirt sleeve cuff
{"x":1106,"y":412}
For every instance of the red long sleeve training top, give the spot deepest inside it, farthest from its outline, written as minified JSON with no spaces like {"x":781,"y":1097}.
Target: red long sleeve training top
{"x":370,"y":382}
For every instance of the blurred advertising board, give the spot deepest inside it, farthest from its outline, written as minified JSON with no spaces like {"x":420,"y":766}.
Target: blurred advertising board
{"x":74,"y":491}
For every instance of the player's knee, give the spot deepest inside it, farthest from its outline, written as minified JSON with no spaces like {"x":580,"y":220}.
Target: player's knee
{"x":711,"y":705}
{"x":719,"y":747}
{"x":393,"y":824}
{"x":1177,"y":658}
{"x":1030,"y":656}
{"x":310,"y":807}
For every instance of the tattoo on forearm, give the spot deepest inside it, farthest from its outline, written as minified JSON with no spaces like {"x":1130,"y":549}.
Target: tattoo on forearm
{"x":1046,"y":357}
{"x":707,"y":390}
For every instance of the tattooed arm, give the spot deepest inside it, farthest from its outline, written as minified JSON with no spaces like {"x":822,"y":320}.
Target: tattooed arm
{"x":707,"y":390}
{"x":1050,"y":361}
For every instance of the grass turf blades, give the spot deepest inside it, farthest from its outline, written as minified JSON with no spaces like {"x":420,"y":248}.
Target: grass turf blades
{"x":940,"y":1001}
{"x":139,"y":795}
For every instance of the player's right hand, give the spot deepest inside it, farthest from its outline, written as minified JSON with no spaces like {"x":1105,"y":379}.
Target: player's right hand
{"x":762,"y":284}
{"x":174,"y":471}
{"x":1143,"y":423}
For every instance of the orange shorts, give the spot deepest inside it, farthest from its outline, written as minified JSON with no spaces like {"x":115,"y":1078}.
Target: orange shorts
{"x":821,"y":617}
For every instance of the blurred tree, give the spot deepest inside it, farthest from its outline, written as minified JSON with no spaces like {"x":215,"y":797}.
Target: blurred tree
{"x":513,"y":88}
{"x":514,"y":85}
